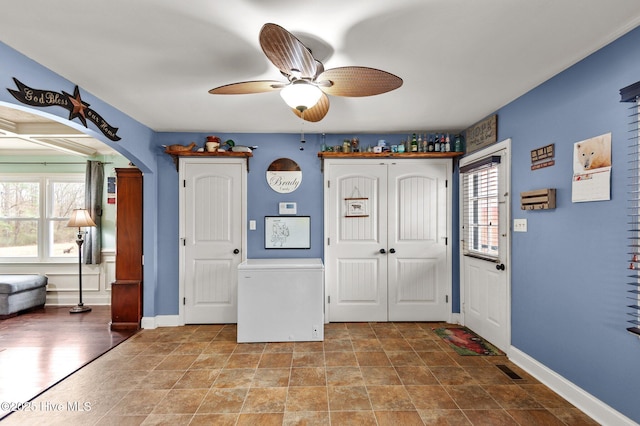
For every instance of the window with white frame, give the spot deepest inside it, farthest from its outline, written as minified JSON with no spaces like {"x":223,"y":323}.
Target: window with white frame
{"x":34,"y":211}
{"x":480,"y":205}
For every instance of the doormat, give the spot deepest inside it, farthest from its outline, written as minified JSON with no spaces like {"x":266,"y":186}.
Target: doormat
{"x":466,"y":342}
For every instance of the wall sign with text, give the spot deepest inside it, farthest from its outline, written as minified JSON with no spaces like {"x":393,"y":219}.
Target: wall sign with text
{"x":284,"y":175}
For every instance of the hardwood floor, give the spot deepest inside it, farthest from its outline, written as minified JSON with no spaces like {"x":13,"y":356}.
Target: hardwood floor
{"x":41,"y":347}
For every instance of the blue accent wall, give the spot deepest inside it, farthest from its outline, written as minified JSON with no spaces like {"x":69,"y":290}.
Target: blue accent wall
{"x":569,"y":269}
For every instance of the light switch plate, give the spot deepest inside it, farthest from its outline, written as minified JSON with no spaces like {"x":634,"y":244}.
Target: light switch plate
{"x":519,"y":225}
{"x":252,"y":225}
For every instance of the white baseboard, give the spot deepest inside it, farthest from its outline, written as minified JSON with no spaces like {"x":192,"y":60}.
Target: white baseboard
{"x":160,"y":321}
{"x":589,"y":404}
{"x":456,"y":318}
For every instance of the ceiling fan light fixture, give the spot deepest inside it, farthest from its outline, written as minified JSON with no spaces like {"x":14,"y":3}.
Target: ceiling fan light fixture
{"x":301,"y":95}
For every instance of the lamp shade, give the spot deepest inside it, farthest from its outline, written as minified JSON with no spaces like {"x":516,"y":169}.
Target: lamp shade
{"x":301,"y":95}
{"x":80,"y":218}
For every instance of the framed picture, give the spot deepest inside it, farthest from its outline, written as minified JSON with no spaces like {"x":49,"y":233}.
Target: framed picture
{"x":357,"y":207}
{"x":287,"y":232}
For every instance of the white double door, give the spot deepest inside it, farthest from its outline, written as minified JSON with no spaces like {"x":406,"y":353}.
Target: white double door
{"x":212,"y":214}
{"x":387,"y":254}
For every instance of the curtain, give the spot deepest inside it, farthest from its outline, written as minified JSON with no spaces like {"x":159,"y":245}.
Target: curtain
{"x":94,"y":182}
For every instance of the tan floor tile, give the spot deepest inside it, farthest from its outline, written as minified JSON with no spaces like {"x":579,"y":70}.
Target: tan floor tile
{"x":349,"y":418}
{"x":412,"y":375}
{"x":348,"y":398}
{"x":271,"y":377}
{"x":220,"y":347}
{"x":181,"y":401}
{"x":380,"y":376}
{"x":159,"y":349}
{"x":390,"y":398}
{"x":546,"y":397}
{"x":194,"y":379}
{"x":243,"y":360}
{"x":423,"y":345}
{"x":307,"y":418}
{"x":338,"y":345}
{"x":344,"y":376}
{"x":262,"y":419}
{"x":308,"y":347}
{"x":307,"y":398}
{"x":572,"y":417}
{"x":430,"y":397}
{"x":245,"y":348}
{"x":265,"y":400}
{"x":366,"y":345}
{"x":223,"y":401}
{"x":393,"y":418}
{"x":443,"y":417}
{"x":314,"y":376}
{"x":159,"y":379}
{"x":119,"y":420}
{"x":472,"y":397}
{"x":437,"y":359}
{"x":176,"y":362}
{"x":140,"y":401}
{"x":340,"y":359}
{"x":452,"y":375}
{"x":512,"y":396}
{"x":399,"y":359}
{"x":210,"y":361}
{"x":276,"y":360}
{"x":535,"y":417}
{"x":369,"y":359}
{"x":279,"y":347}
{"x":490,"y":418}
{"x":395,"y":344}
{"x":142,"y":362}
{"x":190,"y":348}
{"x":308,"y":359}
{"x":488,"y":374}
{"x":214,"y":419}
{"x":234,"y":378}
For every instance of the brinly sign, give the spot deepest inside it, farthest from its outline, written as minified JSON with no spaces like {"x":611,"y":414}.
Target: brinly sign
{"x":73,"y":103}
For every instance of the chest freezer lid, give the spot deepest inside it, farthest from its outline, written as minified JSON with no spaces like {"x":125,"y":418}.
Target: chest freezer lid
{"x":281,"y":263}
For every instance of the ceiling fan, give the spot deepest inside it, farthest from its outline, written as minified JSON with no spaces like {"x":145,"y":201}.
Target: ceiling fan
{"x":308,"y":82}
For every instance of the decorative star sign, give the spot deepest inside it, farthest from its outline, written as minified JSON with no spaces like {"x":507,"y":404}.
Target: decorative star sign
{"x":73,"y":103}
{"x":78,"y":106}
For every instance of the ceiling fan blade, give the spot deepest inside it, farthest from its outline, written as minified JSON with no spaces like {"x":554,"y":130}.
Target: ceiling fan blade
{"x":316,"y":112}
{"x":248,"y":87}
{"x":286,"y":52}
{"x":358,"y":81}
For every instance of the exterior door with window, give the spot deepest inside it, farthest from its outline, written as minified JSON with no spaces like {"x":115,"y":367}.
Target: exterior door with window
{"x":485,"y":243}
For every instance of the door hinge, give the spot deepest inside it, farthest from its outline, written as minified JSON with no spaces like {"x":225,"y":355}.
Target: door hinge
{"x":184,"y":241}
{"x":446,"y":183}
{"x":446,"y":299}
{"x":446,"y":241}
{"x":184,"y":300}
{"x":328,"y":184}
{"x":328,"y":241}
{"x":329,"y":299}
{"x":184,"y":183}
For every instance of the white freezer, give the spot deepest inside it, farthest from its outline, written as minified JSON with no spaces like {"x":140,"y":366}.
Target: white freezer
{"x":280,"y":300}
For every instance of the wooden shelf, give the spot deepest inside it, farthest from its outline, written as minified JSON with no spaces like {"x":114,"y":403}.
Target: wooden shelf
{"x":177,"y":154}
{"x":325,"y":155}
{"x":389,"y":154}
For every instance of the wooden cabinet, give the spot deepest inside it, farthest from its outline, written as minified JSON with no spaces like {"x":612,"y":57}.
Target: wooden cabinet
{"x":126,"y":291}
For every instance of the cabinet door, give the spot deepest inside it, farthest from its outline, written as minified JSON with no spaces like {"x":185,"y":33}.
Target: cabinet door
{"x":417,"y":229}
{"x":129,"y":224}
{"x":355,"y":267}
{"x":212,"y":220}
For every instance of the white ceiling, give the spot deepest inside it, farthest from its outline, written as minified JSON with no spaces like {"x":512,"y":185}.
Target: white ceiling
{"x":460,"y":60}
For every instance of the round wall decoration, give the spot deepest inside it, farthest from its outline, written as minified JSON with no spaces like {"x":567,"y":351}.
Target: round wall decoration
{"x":284,"y":175}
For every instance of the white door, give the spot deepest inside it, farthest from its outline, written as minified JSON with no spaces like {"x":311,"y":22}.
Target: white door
{"x":485,"y":243}
{"x":212,"y":212}
{"x":418,"y":269}
{"x":386,"y":261}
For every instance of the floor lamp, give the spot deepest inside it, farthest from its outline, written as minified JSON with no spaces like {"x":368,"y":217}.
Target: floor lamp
{"x":80,"y":218}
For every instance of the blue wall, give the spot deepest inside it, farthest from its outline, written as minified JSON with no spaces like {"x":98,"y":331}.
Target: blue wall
{"x":568,"y":270}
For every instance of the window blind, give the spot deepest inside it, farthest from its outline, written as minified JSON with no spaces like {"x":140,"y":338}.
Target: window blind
{"x":631,"y":94}
{"x":480,"y":208}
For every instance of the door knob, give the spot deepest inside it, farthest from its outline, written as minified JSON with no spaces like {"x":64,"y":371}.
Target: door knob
{"x":392,"y":250}
{"x":383,"y":251}
{"x":236,"y":251}
{"x":500,"y":267}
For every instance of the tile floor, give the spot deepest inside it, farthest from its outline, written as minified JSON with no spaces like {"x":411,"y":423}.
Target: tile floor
{"x":362,"y":374}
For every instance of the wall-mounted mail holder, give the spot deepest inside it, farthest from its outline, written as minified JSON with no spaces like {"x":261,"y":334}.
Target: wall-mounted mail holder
{"x":540,"y":199}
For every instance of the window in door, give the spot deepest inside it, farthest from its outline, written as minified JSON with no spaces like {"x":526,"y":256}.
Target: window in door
{"x":480,"y":208}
